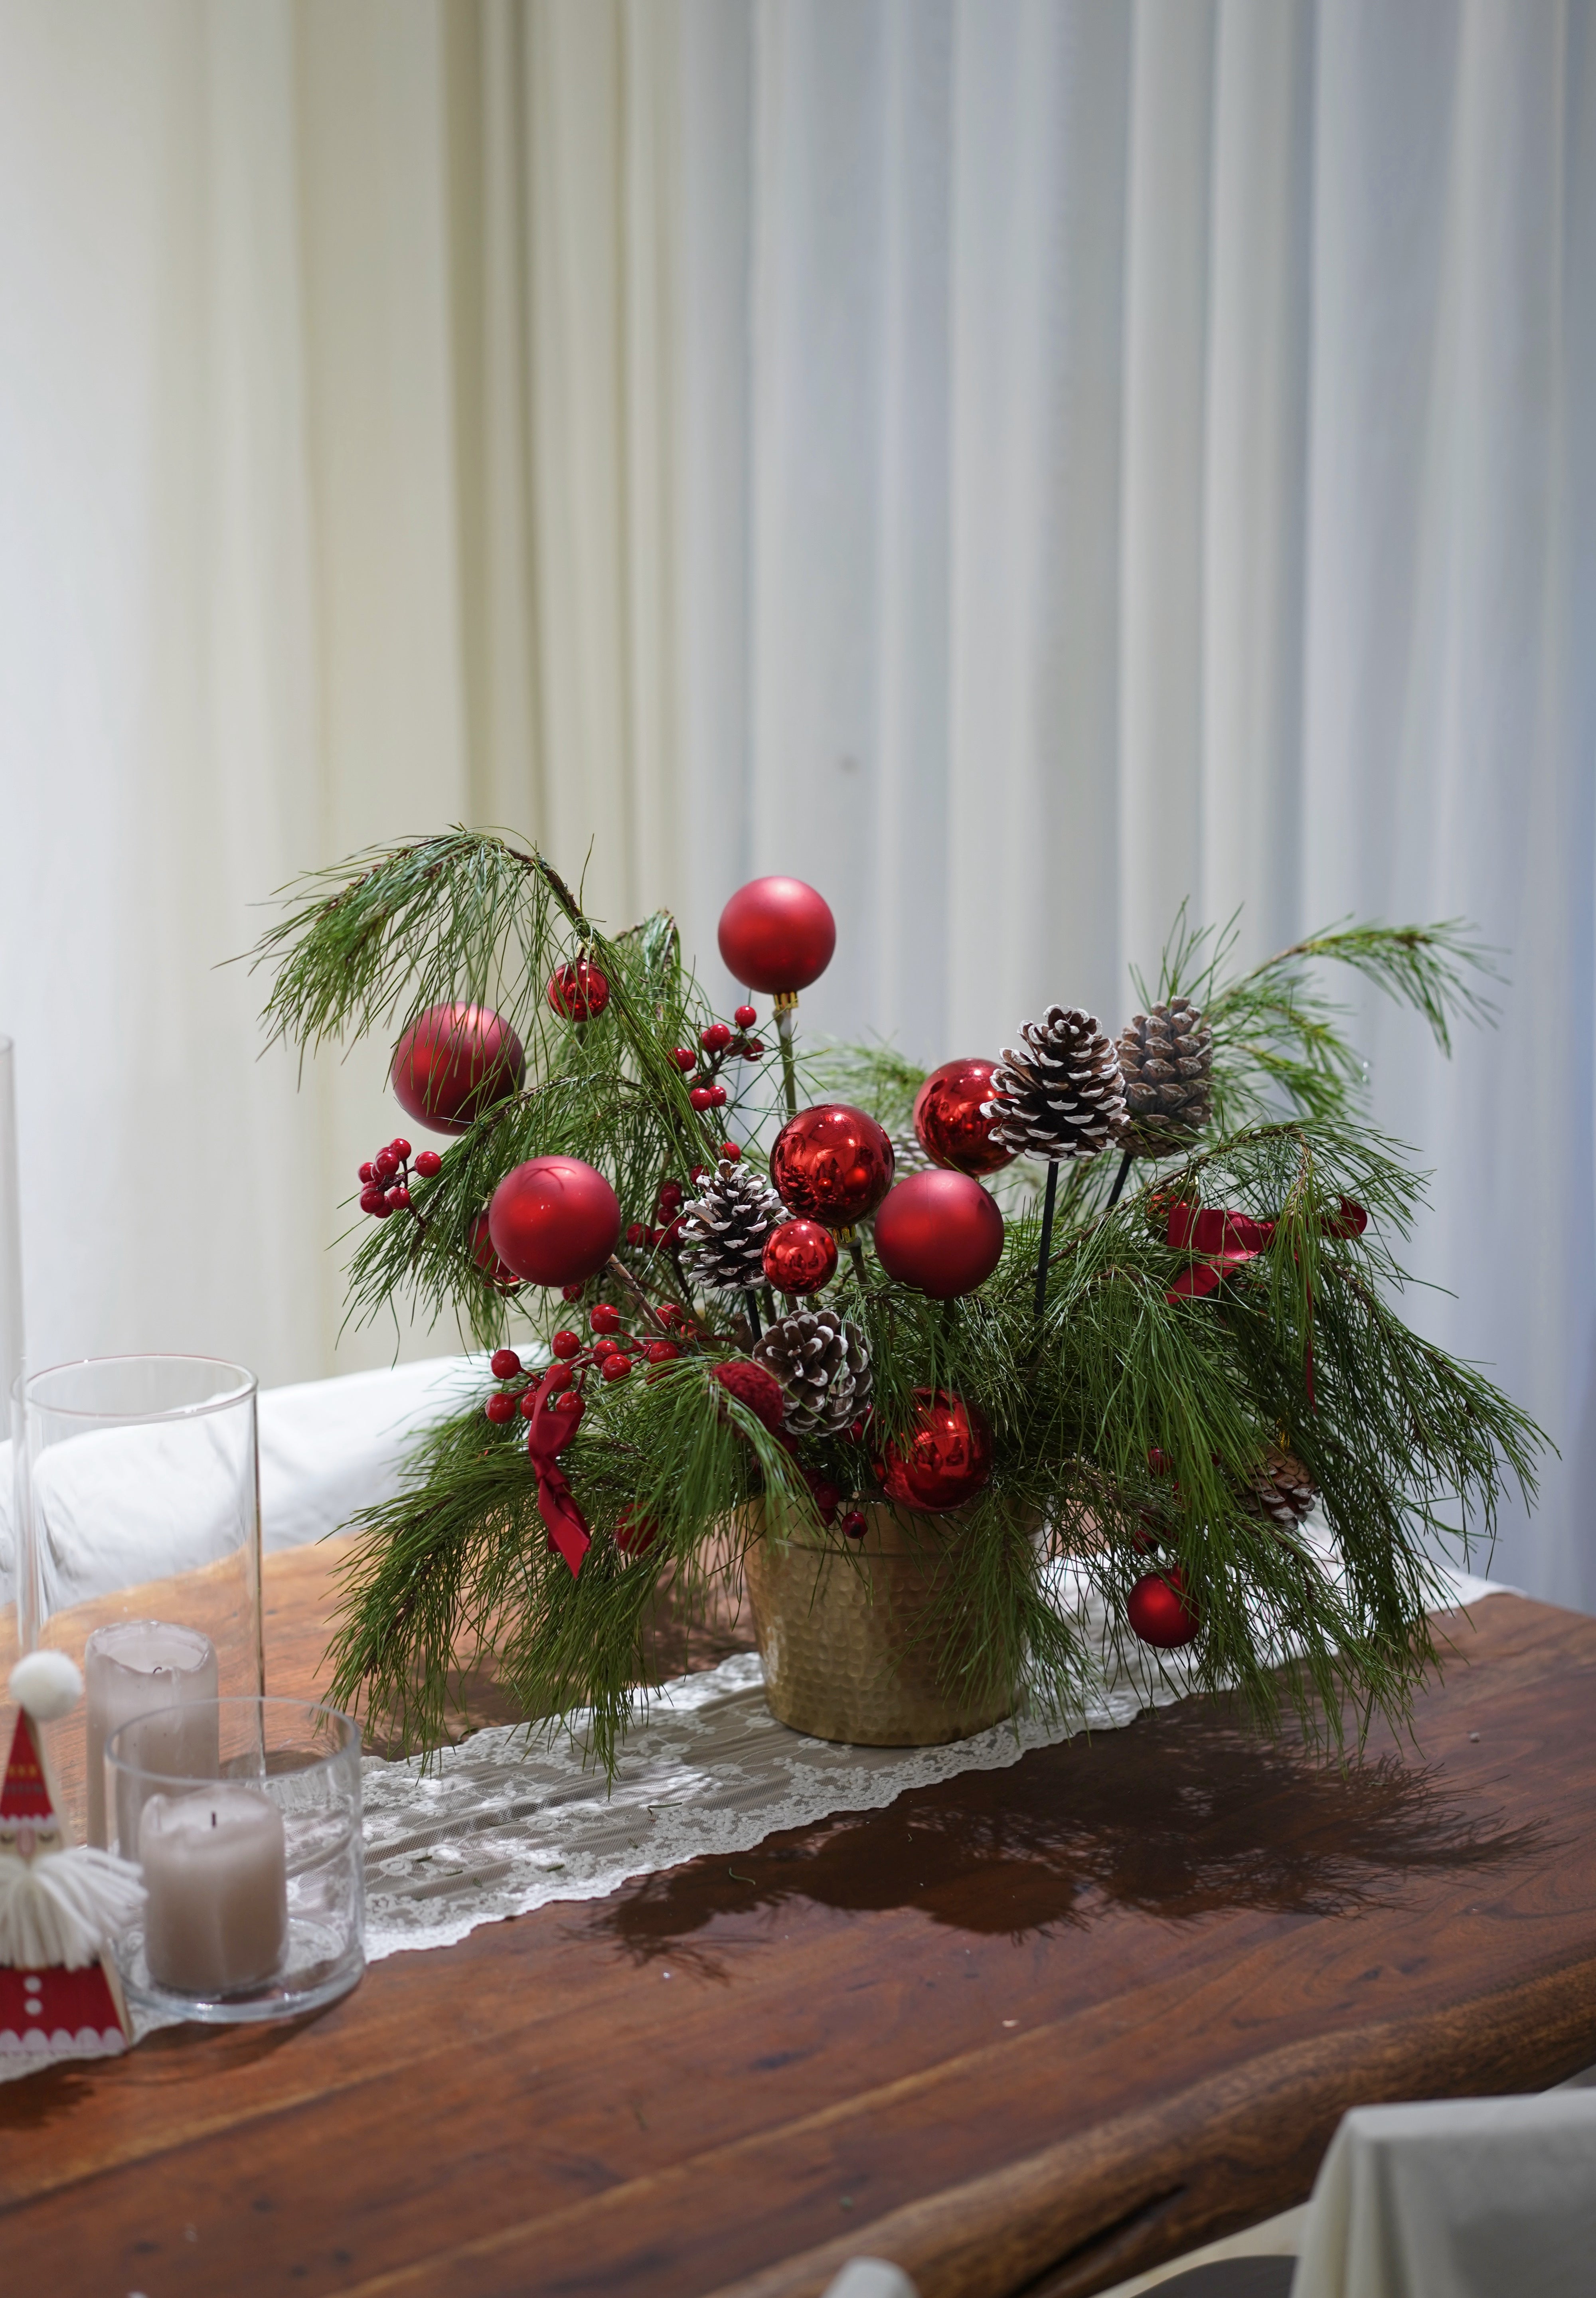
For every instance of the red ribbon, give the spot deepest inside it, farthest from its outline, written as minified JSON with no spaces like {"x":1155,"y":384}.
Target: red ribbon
{"x":549,"y":1433}
{"x":1226,"y":1241}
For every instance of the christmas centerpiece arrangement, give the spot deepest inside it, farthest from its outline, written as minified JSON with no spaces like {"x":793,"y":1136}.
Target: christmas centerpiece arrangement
{"x":887,"y":1345}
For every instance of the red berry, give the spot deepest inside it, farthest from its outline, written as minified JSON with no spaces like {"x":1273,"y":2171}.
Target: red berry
{"x":399,"y":1198}
{"x":715,"y":1038}
{"x":384,"y":1165}
{"x":696,"y":1175}
{"x":636,"y":1233}
{"x":529,"y":1404}
{"x":670,"y":1195}
{"x":558,"y":1379}
{"x":383,"y":1209}
{"x":617,"y":1367}
{"x":605,"y":1318}
{"x":401,"y":1148}
{"x":670,"y":1234}
{"x":372,"y":1200}
{"x":571,"y":1401}
{"x":685,"y":1058}
{"x":367,"y":1174}
{"x":702,"y":1096}
{"x":854,"y":1526}
{"x":661,"y":1351}
{"x":500,"y":1408}
{"x":668,"y":1313}
{"x":566,"y":1344}
{"x":572,"y":1292}
{"x":505,"y":1363}
{"x":753,"y":1051}
{"x":604,"y":1345}
{"x":745,"y":1017}
{"x":717,"y":1094}
{"x":732,"y":1151}
{"x":429,"y":1164}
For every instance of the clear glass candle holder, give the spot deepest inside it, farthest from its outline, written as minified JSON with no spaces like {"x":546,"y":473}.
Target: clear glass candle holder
{"x":139,"y":1550}
{"x":254,"y":1884}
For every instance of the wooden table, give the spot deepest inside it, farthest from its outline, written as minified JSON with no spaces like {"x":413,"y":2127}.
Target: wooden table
{"x":1028,"y":2031}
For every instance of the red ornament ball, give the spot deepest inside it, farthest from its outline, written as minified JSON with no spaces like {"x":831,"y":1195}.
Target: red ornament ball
{"x":939,"y":1232}
{"x":554,"y":1221}
{"x":498,"y":1273}
{"x":800,"y":1257}
{"x":751,"y":1385}
{"x":949,"y":1121}
{"x":947,"y":1459}
{"x":635,"y":1533}
{"x":832,"y":1164}
{"x":578,"y":992}
{"x":453,"y":1063}
{"x":1161,"y":1611}
{"x":777,"y":934}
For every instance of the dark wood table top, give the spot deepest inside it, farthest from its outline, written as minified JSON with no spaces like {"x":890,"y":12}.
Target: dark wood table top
{"x":1027,"y":2031}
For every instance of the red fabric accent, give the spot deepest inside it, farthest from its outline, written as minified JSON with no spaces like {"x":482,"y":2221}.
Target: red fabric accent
{"x":24,"y":1795}
{"x":1227,"y":1240}
{"x":548,"y":1433}
{"x":63,"y":2002}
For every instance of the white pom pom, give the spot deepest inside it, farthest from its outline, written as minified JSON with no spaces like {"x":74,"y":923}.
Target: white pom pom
{"x":46,"y":1684}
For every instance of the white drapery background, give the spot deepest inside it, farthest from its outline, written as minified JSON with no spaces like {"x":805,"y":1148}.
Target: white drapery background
{"x":1017,"y":464}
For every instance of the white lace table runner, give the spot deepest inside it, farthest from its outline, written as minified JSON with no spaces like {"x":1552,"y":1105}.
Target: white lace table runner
{"x":509,"y":1819}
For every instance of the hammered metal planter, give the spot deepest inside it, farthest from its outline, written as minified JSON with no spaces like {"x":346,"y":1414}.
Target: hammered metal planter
{"x":845,"y":1645}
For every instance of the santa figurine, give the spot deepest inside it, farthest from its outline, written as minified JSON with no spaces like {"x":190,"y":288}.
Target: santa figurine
{"x":61,"y":1904}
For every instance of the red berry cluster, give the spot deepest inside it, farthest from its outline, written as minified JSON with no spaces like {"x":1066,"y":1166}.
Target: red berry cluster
{"x":718,"y":1045}
{"x":666,"y":1226}
{"x":611,"y":1353}
{"x":386,"y":1181}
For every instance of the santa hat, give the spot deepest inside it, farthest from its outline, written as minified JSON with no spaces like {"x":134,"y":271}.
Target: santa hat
{"x":25,"y":1794}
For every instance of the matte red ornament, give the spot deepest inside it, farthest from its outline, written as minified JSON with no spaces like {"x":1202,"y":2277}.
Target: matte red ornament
{"x":453,"y":1063}
{"x":949,"y":1121}
{"x":578,"y":991}
{"x":499,"y":1274}
{"x":554,"y":1221}
{"x":939,"y":1232}
{"x":800,"y":1257}
{"x":831,"y":1163}
{"x":777,"y":934}
{"x":752,"y":1385}
{"x":1161,"y":1609}
{"x":946,"y":1460}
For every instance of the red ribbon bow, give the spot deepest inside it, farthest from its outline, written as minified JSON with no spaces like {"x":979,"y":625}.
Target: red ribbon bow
{"x":549,"y":1433}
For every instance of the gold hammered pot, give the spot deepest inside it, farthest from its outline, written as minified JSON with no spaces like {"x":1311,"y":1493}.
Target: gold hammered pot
{"x":849,"y":1649}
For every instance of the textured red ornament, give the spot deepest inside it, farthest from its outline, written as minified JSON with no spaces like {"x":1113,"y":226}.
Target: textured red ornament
{"x":800,"y":1257}
{"x":946,"y":1460}
{"x":832,"y":1164}
{"x":454,"y":1061}
{"x":949,"y":1121}
{"x":579,"y":991}
{"x":777,"y":934}
{"x":554,"y":1221}
{"x":499,"y":1274}
{"x":941,"y":1233}
{"x":752,"y":1385}
{"x":1161,"y":1609}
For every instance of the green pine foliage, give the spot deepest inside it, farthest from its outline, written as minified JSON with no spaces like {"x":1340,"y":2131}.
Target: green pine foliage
{"x":1121,"y":1419}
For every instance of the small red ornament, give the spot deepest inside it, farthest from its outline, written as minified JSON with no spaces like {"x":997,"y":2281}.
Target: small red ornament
{"x":832,"y":1164}
{"x":1161,"y":1611}
{"x":452,"y":1064}
{"x":777,"y":934}
{"x":949,"y":1121}
{"x":800,"y":1257}
{"x":941,"y":1233}
{"x":752,"y":1385}
{"x":500,"y":1274}
{"x":554,"y":1221}
{"x":579,"y":992}
{"x":948,"y":1459}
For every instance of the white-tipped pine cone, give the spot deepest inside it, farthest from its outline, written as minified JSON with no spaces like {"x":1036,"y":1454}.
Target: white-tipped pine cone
{"x":724,"y":1232}
{"x":1061,"y":1095}
{"x":823,"y":1366}
{"x":1166,"y":1059}
{"x":1282,"y":1492}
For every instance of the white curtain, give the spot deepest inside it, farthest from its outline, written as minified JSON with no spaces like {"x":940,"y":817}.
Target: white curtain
{"x":1018,"y":464}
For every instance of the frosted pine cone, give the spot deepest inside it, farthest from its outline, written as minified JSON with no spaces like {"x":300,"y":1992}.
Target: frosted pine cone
{"x":1062,"y":1096}
{"x":823,"y":1366}
{"x":908,"y":1156}
{"x":1282,"y":1492}
{"x":723,"y":1231}
{"x":1166,"y":1059}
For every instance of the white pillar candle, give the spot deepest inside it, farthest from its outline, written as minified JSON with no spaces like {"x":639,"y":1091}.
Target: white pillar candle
{"x":131,"y":1670}
{"x":216,"y":1875}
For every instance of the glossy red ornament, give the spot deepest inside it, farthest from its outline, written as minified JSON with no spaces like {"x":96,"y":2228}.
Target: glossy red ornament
{"x":578,"y":991}
{"x":949,"y":1121}
{"x":499,"y":1274}
{"x":554,"y":1221}
{"x":453,"y":1063}
{"x":832,"y":1164}
{"x":800,"y":1257}
{"x":777,"y":934}
{"x":1161,"y":1609}
{"x":946,"y":1460}
{"x":939,"y":1232}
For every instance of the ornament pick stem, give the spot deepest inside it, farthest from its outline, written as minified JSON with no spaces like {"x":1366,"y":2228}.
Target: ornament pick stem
{"x":752,"y":1297}
{"x":786,"y":1005}
{"x":1126,"y":1162}
{"x":1049,"y":1203}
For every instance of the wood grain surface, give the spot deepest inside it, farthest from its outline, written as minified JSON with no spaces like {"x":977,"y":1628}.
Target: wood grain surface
{"x":1025,"y":2032}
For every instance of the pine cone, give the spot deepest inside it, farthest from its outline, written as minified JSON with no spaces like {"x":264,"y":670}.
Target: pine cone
{"x":908,"y":1156}
{"x":1062,"y":1096}
{"x":725,"y":1230}
{"x":1282,"y":1492}
{"x":1166,"y":1058}
{"x":821,"y":1360}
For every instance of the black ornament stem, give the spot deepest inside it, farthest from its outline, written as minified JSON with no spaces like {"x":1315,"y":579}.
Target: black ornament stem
{"x":1049,"y":1203}
{"x":752,"y":1297}
{"x":1120,"y":1177}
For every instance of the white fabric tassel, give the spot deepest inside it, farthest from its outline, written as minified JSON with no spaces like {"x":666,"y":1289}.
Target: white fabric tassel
{"x":60,"y":1908}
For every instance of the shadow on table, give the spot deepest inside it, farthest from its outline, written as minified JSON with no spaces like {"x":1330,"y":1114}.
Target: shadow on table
{"x":1177,"y":1817}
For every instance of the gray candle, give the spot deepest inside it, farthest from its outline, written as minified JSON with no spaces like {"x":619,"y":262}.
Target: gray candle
{"x":136,"y":1669}
{"x":216,"y":1875}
